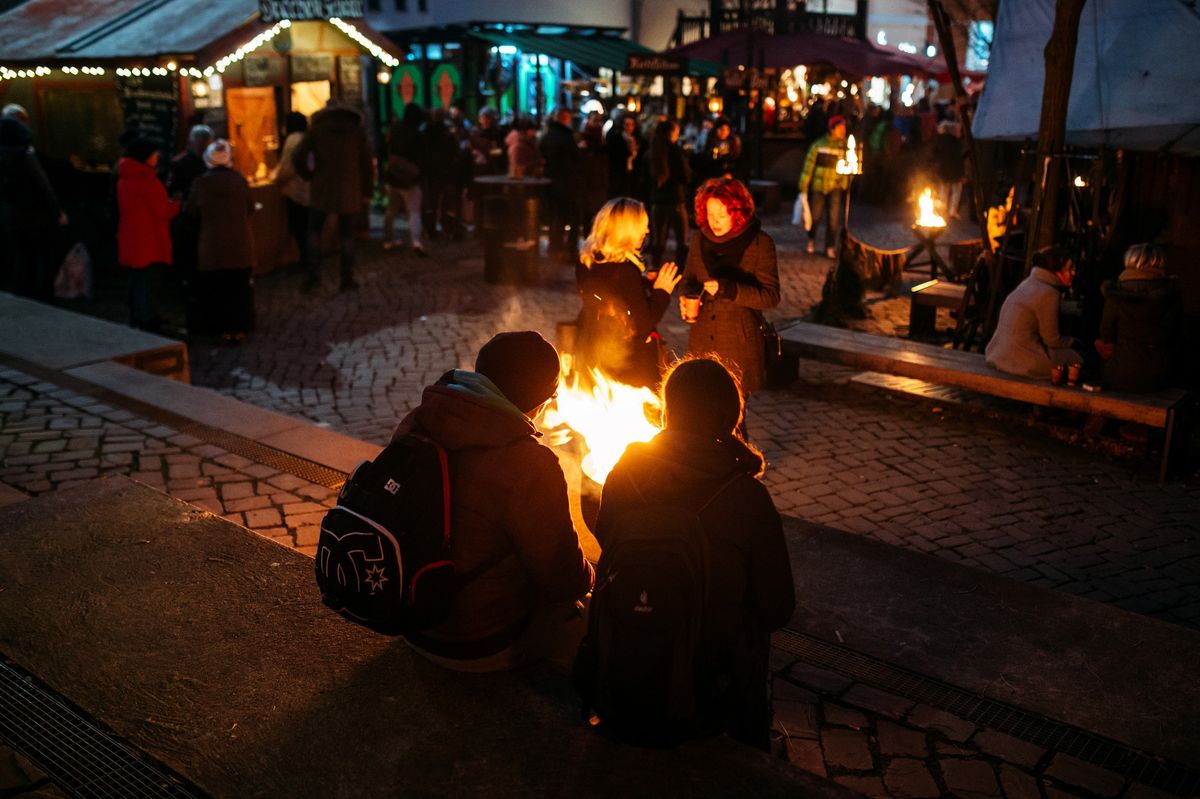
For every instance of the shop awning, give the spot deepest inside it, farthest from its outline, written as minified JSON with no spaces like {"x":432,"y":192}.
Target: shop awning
{"x":610,"y":52}
{"x":757,"y":48}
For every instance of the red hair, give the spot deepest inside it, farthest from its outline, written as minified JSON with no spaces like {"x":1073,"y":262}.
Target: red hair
{"x":733,"y":194}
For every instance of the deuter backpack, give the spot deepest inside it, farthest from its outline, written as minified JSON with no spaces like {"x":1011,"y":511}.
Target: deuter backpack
{"x":383,"y":556}
{"x":636,"y":669}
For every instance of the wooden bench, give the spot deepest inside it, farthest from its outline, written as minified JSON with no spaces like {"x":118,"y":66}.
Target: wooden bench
{"x":1162,"y":409}
{"x":767,"y":195}
{"x":926,"y":298}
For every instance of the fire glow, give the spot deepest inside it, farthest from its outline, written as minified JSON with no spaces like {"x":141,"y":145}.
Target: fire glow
{"x":849,"y":164}
{"x":606,"y":418}
{"x":927,"y":218}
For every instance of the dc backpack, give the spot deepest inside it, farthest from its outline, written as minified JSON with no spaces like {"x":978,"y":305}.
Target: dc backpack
{"x":636,"y":671}
{"x":383,"y":555}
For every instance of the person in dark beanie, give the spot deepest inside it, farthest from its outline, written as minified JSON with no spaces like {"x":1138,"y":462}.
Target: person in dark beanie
{"x":700,"y":461}
{"x":143,"y":236}
{"x":29,"y":211}
{"x":511,"y":529}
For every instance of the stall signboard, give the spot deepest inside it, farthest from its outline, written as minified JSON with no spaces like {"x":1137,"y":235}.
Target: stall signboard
{"x":150,"y":103}
{"x":350,"y":78}
{"x":256,"y":71}
{"x":275,"y":10}
{"x":655,"y":64}
{"x":311,"y":66}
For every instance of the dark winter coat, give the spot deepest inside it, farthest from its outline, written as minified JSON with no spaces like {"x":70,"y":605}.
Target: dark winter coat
{"x":717,"y":158}
{"x":220,"y":201}
{"x":948,"y":155}
{"x":27,"y":200}
{"x":622,"y":179}
{"x":673,"y":187}
{"x":752,"y":591}
{"x":617,"y":322}
{"x":730,"y":324}
{"x":182,"y":173}
{"x":594,"y":171}
{"x":441,"y":151}
{"x":563,"y":159}
{"x":1140,"y":320}
{"x":143,"y":235}
{"x":508,"y":508}
{"x":336,"y":156}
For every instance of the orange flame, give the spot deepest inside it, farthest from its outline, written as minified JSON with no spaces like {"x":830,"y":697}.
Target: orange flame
{"x":927,"y":217}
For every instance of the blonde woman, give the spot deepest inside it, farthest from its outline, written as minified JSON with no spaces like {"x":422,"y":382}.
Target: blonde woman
{"x":621,"y":306}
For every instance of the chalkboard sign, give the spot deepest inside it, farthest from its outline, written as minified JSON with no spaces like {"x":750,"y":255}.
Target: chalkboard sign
{"x":150,"y":103}
{"x":311,"y":66}
{"x":350,"y":78}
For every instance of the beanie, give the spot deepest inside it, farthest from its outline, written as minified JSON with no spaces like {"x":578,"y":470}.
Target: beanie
{"x":834,"y":121}
{"x":701,"y":397}
{"x":141,"y":148}
{"x":219,"y":153}
{"x":523,"y":365}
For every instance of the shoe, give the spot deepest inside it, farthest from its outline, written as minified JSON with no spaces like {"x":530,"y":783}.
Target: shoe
{"x":810,"y":248}
{"x":389,"y":245}
{"x":830,"y":253}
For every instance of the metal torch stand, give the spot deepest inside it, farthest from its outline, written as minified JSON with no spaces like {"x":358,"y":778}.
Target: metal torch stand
{"x":926,"y":242}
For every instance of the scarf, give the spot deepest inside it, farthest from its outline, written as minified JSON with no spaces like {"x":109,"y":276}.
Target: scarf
{"x":721,"y":254}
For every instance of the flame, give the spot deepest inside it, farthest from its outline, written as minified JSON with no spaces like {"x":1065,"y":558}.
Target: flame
{"x":849,"y":164}
{"x":928,"y":218}
{"x":606,"y":417}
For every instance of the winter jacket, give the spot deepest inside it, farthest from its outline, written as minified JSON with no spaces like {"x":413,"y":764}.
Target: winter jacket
{"x":182,"y":173}
{"x":222,"y":204}
{"x":523,"y":158}
{"x":336,"y":156}
{"x":563,"y":159}
{"x":622,"y":162}
{"x":617,"y":322}
{"x":27,"y":200}
{"x":730,"y":324}
{"x":291,"y":184}
{"x":508,"y":509}
{"x":1140,"y":320}
{"x":1027,"y":341}
{"x":143,"y":236}
{"x":751,"y":587}
{"x":820,"y":166}
{"x":673,"y":187}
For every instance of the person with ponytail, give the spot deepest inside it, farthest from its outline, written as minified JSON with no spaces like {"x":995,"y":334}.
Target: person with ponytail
{"x":732,"y":266}
{"x":621,"y":306}
{"x":700,"y":458}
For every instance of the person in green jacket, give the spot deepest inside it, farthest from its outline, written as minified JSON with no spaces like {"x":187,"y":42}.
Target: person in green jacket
{"x":828,"y":187}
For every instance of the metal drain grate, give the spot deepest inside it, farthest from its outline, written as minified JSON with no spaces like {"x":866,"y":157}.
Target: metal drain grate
{"x":1147,"y":769}
{"x":77,"y":755}
{"x":230,"y":442}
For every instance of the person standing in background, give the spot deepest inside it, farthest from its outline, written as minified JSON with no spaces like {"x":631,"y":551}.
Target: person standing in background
{"x":29,"y":210}
{"x":402,"y":177}
{"x":594,"y":169}
{"x":296,"y":191}
{"x":143,"y":235}
{"x":828,"y":187}
{"x":563,"y":159}
{"x":622,"y":147}
{"x":670,"y":179}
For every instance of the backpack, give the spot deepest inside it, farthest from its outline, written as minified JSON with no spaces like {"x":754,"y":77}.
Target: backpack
{"x":383,"y":556}
{"x":636,"y":671}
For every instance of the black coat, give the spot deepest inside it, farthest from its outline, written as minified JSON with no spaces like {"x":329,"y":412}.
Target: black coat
{"x":27,"y":200}
{"x":221,"y":202}
{"x":617,"y":322}
{"x":563,"y":158}
{"x":673,"y":188}
{"x":1140,"y":321}
{"x":751,"y":587}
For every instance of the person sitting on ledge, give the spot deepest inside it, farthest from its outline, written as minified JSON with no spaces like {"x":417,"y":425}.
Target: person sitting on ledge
{"x":1137,"y":331}
{"x":1027,"y":341}
{"x":512,"y":527}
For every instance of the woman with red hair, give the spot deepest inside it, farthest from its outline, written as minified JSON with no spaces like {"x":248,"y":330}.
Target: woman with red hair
{"x":731,"y":265}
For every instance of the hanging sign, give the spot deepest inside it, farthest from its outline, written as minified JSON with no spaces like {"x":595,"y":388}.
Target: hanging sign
{"x":446,"y":84}
{"x":275,"y":10}
{"x":655,"y":64}
{"x":409,"y":86}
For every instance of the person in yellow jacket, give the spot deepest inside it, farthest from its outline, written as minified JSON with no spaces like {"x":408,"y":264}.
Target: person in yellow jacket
{"x":827,"y":187}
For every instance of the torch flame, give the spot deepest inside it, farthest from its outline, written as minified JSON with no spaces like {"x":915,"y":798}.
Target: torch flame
{"x":849,"y":164}
{"x":606,"y":417}
{"x":927,"y":217}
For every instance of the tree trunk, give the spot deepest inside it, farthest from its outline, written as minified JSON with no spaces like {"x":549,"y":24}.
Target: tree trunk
{"x":1056,"y":93}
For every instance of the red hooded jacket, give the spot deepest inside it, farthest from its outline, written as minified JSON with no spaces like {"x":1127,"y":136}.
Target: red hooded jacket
{"x":143,"y":237}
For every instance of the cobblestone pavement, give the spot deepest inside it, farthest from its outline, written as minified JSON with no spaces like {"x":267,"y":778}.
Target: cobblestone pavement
{"x":52,"y":437}
{"x":884,"y":745}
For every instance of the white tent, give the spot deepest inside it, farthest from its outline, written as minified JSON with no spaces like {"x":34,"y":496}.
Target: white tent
{"x":1137,"y":66}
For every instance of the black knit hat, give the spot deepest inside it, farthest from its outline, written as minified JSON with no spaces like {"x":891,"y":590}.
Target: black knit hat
{"x":141,"y":148}
{"x":523,"y":365}
{"x":702,"y":397}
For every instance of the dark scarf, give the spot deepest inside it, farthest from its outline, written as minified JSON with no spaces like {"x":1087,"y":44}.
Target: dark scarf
{"x":723,"y":253}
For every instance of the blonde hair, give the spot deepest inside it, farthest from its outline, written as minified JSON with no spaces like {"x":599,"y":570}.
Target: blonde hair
{"x":617,"y":233}
{"x":1144,"y":256}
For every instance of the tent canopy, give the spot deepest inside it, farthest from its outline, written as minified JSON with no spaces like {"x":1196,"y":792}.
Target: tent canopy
{"x":758,"y":48}
{"x":1135,"y":66}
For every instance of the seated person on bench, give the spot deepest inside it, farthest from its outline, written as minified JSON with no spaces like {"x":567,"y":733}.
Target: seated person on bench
{"x":511,"y":521}
{"x":1027,"y":341}
{"x":1141,"y":309}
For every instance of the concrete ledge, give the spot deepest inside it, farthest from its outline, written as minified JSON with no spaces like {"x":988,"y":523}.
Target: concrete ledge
{"x":1118,"y":674}
{"x":288,"y":434}
{"x":59,"y":339}
{"x":209,"y":649}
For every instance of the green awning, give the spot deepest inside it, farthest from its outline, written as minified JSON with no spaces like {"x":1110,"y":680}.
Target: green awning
{"x":588,"y":51}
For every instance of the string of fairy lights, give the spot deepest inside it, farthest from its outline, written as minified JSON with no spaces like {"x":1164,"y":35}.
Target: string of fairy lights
{"x":217,"y":67}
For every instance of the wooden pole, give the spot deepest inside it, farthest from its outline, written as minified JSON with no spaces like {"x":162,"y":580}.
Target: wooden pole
{"x":942,"y":21}
{"x":1056,"y":93}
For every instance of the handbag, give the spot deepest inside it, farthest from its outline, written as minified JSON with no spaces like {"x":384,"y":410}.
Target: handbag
{"x":782,"y":368}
